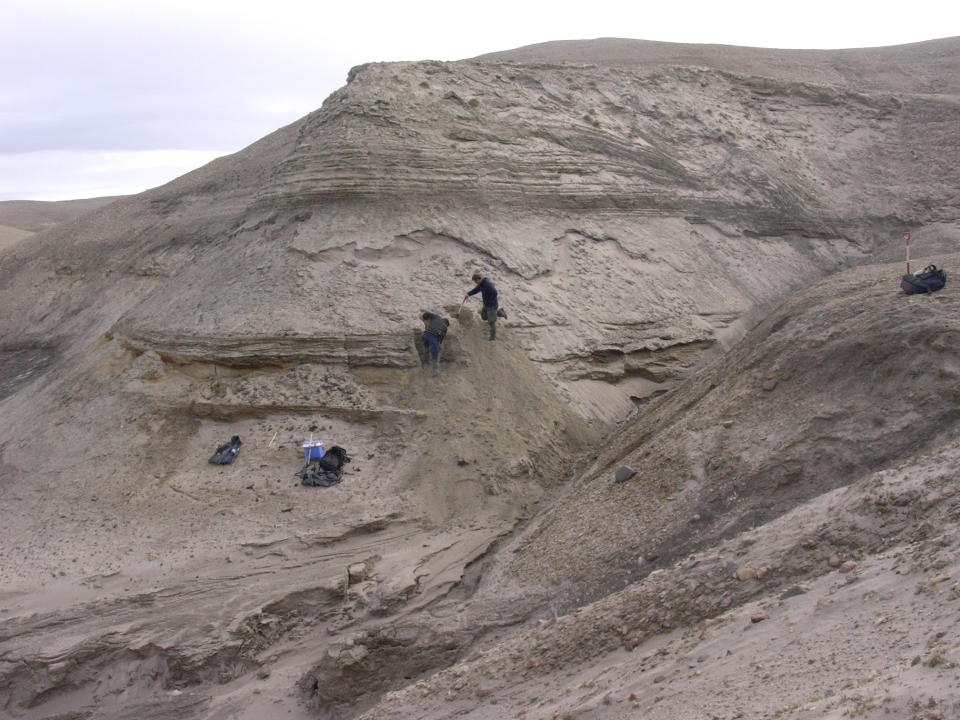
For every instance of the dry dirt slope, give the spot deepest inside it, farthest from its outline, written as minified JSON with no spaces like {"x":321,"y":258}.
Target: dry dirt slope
{"x":822,"y":583}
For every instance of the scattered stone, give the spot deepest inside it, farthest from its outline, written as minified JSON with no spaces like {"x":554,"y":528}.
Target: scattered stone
{"x":728,"y":424}
{"x":758,"y":617}
{"x":793,"y":592}
{"x":624,"y":473}
{"x":263,"y":674}
{"x":769,"y":385}
{"x":357,"y":573}
{"x":631,"y":645}
{"x":835,"y":561}
{"x":149,"y":366}
{"x":848,"y":566}
{"x":746,"y":573}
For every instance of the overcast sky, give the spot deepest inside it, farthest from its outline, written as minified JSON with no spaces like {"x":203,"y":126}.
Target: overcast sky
{"x":103,"y":97}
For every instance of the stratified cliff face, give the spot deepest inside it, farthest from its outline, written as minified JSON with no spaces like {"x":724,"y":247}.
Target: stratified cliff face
{"x":633,"y":216}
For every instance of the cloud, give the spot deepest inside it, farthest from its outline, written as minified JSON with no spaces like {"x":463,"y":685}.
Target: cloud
{"x":214,"y":76}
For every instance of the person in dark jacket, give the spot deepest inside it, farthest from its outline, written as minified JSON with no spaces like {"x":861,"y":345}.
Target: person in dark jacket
{"x":434,"y":331}
{"x":491,"y":305}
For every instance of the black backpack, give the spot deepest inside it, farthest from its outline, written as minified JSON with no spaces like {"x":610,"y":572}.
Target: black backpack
{"x":326,"y":471}
{"x":225,"y":453}
{"x":929,"y":280}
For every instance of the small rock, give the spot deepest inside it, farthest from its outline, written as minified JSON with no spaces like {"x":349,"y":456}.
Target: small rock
{"x":793,"y":592}
{"x":835,"y":561}
{"x":263,"y":674}
{"x":746,"y":573}
{"x":848,"y":566}
{"x":758,"y":617}
{"x":624,"y":473}
{"x":728,"y":424}
{"x":149,"y":366}
{"x":357,"y":573}
{"x":769,"y":385}
{"x":631,"y":645}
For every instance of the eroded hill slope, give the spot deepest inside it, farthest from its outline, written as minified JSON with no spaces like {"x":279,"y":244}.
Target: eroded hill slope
{"x":798,"y":508}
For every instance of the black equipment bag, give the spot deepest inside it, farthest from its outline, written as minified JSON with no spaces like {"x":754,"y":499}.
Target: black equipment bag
{"x":929,"y":280}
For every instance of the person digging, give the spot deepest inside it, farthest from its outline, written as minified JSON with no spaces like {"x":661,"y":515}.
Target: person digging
{"x":434,"y":331}
{"x":491,"y":307}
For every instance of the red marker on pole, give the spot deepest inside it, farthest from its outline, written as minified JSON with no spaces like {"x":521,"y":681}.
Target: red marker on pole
{"x":906,"y":241}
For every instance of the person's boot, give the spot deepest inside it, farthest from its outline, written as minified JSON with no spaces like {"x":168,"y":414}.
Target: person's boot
{"x":436,"y":368}
{"x":502,"y":313}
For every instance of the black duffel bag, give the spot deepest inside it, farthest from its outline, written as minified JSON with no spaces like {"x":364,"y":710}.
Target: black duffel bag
{"x":929,"y":280}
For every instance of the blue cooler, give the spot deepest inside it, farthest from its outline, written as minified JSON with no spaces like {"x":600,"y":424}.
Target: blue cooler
{"x":312,"y":449}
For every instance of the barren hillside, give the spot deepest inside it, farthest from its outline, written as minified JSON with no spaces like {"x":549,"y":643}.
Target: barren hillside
{"x":38,"y":215}
{"x":697,"y":260}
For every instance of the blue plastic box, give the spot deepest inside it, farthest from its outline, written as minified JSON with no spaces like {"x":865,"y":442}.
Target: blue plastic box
{"x":312,"y":449}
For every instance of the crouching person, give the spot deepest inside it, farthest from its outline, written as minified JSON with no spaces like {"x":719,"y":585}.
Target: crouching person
{"x":434,"y":331}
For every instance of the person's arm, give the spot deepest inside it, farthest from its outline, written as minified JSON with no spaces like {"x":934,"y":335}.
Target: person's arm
{"x":477,"y":289}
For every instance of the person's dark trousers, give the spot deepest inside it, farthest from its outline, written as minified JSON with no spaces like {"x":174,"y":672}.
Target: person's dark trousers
{"x":432,"y":343}
{"x":489,"y":314}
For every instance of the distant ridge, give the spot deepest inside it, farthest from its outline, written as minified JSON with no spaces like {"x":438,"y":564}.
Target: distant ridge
{"x":932,"y":66}
{"x":38,"y":215}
